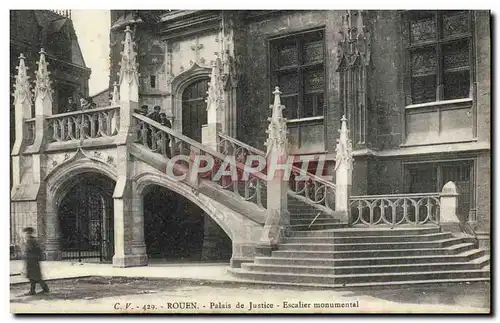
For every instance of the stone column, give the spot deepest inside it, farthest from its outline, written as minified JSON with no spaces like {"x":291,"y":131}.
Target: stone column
{"x":22,"y":110}
{"x":278,"y":217}
{"x":343,"y":173}
{"x":130,"y":249}
{"x":215,"y":107}
{"x":129,"y":89}
{"x":23,"y":212}
{"x":32,"y":189}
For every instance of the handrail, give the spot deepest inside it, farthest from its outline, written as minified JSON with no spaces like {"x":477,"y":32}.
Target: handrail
{"x":261,"y":153}
{"x":395,"y":195}
{"x":79,"y":112}
{"x":194,"y":143}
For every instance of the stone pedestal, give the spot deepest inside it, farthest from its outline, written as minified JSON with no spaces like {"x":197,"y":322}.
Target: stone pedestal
{"x":343,"y":173}
{"x":209,"y":135}
{"x":448,"y":218}
{"x":343,"y":192}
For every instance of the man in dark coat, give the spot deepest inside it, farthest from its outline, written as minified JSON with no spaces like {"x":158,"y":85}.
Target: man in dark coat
{"x":72,"y":106}
{"x":32,"y":256}
{"x":155,"y":115}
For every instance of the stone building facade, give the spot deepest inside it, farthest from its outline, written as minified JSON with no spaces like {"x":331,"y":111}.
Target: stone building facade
{"x":52,"y":30}
{"x":417,"y":96}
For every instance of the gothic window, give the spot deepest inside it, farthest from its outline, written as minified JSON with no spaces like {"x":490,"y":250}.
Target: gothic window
{"x":297,"y":67}
{"x":438,"y":54}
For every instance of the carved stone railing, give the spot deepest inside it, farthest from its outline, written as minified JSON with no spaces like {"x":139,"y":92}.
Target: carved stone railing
{"x":396,"y":209}
{"x":93,"y":123}
{"x":30,"y":131}
{"x":313,"y":190}
{"x":163,"y":140}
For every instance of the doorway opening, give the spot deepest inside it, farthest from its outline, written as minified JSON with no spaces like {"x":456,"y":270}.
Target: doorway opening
{"x":85,"y":216}
{"x":194,"y":109}
{"x":177,"y":230}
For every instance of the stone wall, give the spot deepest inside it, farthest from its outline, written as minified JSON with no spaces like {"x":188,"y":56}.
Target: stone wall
{"x":254,"y":118}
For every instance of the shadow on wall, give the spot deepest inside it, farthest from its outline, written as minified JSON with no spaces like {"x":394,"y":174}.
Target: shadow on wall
{"x":175,"y":229}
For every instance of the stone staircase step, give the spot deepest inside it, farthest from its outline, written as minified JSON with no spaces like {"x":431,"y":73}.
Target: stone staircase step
{"x":454,"y":249}
{"x":483,"y":261}
{"x":374,"y":246}
{"x":344,"y":270}
{"x":370,"y":239}
{"x":360,"y":279}
{"x":364,"y":232}
{"x":469,"y":255}
{"x":319,"y":220}
{"x":309,"y":215}
{"x":318,"y":226}
{"x":243,"y":275}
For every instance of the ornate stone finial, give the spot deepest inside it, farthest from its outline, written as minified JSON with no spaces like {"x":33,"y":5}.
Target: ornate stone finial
{"x":22,"y":93}
{"x":215,"y":99}
{"x":344,"y":145}
{"x":277,"y":130}
{"x":42,"y":84}
{"x":355,"y":39}
{"x":128,"y":65}
{"x":116,"y":95}
{"x":277,"y":99}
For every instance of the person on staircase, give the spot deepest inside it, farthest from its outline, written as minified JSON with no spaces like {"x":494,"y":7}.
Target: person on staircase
{"x":72,"y":106}
{"x":155,"y":115}
{"x":166,"y":123}
{"x":32,"y":257}
{"x":86,"y":121}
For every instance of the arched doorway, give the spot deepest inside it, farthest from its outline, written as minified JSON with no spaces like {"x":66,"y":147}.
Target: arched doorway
{"x":85,"y":216}
{"x":194,"y":109}
{"x":177,"y":230}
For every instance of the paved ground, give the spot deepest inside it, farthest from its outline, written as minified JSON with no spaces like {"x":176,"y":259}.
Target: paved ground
{"x":181,"y":293}
{"x":63,"y":269}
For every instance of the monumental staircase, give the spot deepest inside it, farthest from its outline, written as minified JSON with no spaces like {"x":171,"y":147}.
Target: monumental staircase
{"x":305,"y":230}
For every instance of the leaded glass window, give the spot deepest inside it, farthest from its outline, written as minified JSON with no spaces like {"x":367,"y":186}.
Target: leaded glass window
{"x":439,"y":55}
{"x":297,"y":67}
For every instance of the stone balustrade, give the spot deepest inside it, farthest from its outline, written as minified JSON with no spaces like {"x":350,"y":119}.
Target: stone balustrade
{"x":93,"y":123}
{"x":395,"y":209}
{"x":314,"y":189}
{"x":173,"y":145}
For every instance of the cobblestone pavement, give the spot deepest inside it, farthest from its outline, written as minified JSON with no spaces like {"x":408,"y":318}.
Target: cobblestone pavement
{"x":129,"y":295}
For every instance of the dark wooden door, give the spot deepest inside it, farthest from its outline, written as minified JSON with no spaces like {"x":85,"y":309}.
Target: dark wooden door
{"x":194,"y":109}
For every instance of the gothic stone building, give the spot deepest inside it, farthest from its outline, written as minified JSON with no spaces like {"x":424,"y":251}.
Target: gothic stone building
{"x":31,"y":30}
{"x":417,"y":97}
{"x":414,"y":87}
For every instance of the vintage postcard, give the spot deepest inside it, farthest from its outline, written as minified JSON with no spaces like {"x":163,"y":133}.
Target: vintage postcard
{"x":250,"y":161}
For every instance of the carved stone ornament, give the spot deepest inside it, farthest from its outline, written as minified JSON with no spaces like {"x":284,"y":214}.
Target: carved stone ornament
{"x":128,"y":65}
{"x":22,"y":93}
{"x":215,"y":98}
{"x":43,"y":83}
{"x":56,"y":161}
{"x":277,"y":130}
{"x":344,"y":146}
{"x":355,"y":40}
{"x":115,"y":99}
